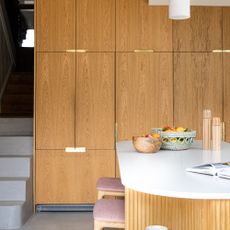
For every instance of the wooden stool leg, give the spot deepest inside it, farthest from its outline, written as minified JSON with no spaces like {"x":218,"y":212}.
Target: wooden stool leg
{"x":100,"y":195}
{"x":98,"y":226}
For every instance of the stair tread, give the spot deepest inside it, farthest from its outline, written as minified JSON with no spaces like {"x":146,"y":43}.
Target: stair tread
{"x":11,"y":203}
{"x":14,"y":178}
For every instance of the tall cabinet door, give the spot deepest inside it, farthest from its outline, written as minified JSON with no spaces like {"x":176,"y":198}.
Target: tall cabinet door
{"x":144,"y":92}
{"x":95,"y":100}
{"x":70,"y":178}
{"x":96,"y":25}
{"x":197,"y":86}
{"x":55,"y":25}
{"x":55,"y":100}
{"x":226,"y":61}
{"x":202,"y":32}
{"x":140,"y":26}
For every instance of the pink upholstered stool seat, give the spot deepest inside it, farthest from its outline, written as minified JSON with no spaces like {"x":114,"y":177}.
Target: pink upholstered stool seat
{"x":109,"y":213}
{"x":108,"y":186}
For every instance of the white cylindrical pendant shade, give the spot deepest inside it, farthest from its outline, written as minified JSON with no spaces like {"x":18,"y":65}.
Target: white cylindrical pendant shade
{"x":179,"y":9}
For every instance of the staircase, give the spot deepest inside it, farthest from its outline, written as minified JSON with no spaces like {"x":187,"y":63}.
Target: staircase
{"x":17,"y":99}
{"x":15,"y":171}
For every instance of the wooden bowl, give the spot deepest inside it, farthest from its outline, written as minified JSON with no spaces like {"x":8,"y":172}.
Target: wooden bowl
{"x":147,"y":144}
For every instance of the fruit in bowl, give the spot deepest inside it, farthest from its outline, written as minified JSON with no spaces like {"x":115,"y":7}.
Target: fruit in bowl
{"x":178,"y":138}
{"x":150,"y":143}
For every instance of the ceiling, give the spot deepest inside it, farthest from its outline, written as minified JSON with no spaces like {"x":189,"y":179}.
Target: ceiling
{"x":194,"y":2}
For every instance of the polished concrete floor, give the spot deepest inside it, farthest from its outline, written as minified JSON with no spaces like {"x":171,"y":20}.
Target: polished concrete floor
{"x":60,"y":221}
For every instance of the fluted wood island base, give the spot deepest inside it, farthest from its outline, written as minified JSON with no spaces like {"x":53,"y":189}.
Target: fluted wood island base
{"x":159,"y":190}
{"x":176,"y":213}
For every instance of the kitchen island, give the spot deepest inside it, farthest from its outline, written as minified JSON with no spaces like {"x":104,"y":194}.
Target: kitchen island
{"x":160,"y":191}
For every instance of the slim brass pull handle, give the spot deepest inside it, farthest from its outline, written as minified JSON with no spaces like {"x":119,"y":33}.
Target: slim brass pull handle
{"x":221,"y":51}
{"x":70,"y":51}
{"x":76,"y":51}
{"x":75,"y":150}
{"x":143,"y":51}
{"x":81,"y":51}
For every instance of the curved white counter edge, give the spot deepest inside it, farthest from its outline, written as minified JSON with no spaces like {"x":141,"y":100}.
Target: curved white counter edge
{"x":164,"y":173}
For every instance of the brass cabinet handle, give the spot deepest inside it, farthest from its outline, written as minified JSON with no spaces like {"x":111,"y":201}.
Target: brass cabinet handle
{"x":221,"y":51}
{"x":81,"y":51}
{"x":143,"y":51}
{"x":75,"y":150}
{"x":76,"y":51}
{"x":70,"y":51}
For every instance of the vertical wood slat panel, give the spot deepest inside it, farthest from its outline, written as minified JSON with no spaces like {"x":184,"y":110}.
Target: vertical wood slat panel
{"x":177,"y":214}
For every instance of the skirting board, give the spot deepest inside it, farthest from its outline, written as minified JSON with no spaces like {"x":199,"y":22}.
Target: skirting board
{"x":64,"y":208}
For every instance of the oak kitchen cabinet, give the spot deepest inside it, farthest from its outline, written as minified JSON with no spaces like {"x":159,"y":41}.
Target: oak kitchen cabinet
{"x":139,"y":26}
{"x":70,"y":178}
{"x":75,"y":24}
{"x":74,"y":98}
{"x":202,"y":32}
{"x":74,"y":108}
{"x":144,"y":99}
{"x":226,"y":67}
{"x":198,"y":85}
{"x":55,"y":25}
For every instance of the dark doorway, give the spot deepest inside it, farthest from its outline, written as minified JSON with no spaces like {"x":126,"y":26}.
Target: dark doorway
{"x":18,"y":90}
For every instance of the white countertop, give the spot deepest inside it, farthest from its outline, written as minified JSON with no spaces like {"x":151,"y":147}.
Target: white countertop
{"x":164,"y":173}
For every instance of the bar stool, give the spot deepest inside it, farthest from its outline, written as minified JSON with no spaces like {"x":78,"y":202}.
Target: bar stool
{"x":109,"y":213}
{"x":108,"y":186}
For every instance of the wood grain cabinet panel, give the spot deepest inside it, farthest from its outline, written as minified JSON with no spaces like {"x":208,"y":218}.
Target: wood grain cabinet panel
{"x":202,"y":32}
{"x":96,"y":25}
{"x":227,"y":94}
{"x":55,"y":27}
{"x":226,"y":28}
{"x":70,"y":178}
{"x":197,"y":86}
{"x":144,"y":92}
{"x":55,"y":100}
{"x":140,"y":26}
{"x":95,"y":100}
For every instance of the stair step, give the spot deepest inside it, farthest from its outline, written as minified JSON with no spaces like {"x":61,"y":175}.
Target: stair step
{"x":13,"y":214}
{"x":13,"y":188}
{"x":15,"y":166}
{"x":16,"y":115}
{"x":19,"y":89}
{"x":16,"y":145}
{"x":17,"y":109}
{"x":16,"y":126}
{"x":21,"y":78}
{"x":14,"y":99}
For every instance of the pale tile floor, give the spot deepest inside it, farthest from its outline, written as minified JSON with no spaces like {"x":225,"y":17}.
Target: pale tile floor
{"x":60,"y":221}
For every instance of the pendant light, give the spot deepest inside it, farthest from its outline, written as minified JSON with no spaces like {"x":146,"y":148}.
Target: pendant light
{"x":179,"y":9}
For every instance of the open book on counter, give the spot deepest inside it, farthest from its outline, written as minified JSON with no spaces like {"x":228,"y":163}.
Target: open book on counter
{"x":221,"y":170}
